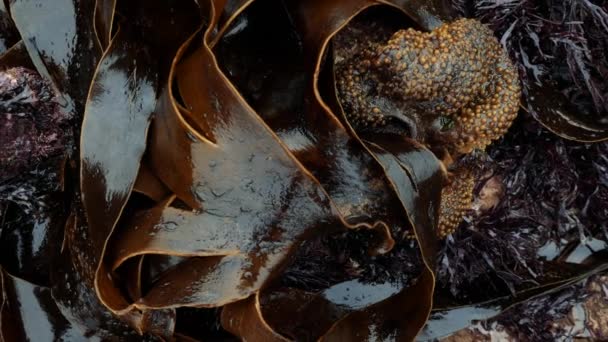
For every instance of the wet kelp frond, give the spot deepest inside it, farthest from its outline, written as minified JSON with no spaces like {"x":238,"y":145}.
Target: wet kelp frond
{"x":220,"y":190}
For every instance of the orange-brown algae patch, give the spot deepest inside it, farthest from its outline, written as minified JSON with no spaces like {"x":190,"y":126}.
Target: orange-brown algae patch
{"x":456,"y":201}
{"x":458,"y":71}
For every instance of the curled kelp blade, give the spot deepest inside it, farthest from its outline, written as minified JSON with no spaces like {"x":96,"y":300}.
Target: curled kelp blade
{"x":281,"y":125}
{"x":353,"y":311}
{"x":551,"y":108}
{"x":113,"y":139}
{"x":417,"y":176}
{"x":397,"y":318}
{"x":104,"y":21}
{"x":266,"y":64}
{"x":447,"y":321}
{"x":254,"y":195}
{"x":114,"y":132}
{"x":75,"y":295}
{"x":61,"y":42}
{"x":28,"y":313}
{"x":228,"y":11}
{"x":245,"y":318}
{"x":148,"y":184}
{"x":306,"y":316}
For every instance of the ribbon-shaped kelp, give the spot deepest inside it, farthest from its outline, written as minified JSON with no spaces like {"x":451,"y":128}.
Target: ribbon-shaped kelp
{"x":318,"y":132}
{"x":67,"y":54}
{"x":443,"y":323}
{"x":254,"y":201}
{"x":213,"y":148}
{"x":28,"y":313}
{"x":125,"y":87}
{"x":552,"y":110}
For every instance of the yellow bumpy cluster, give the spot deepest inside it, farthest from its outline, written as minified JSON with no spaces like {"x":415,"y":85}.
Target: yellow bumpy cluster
{"x":457,"y":71}
{"x":456,"y":199}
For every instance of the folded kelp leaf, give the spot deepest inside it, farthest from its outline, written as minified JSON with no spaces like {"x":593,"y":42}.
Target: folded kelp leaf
{"x":200,"y":198}
{"x":319,"y":135}
{"x":254,"y":194}
{"x":61,"y":43}
{"x":124,"y":87}
{"x":230,"y":11}
{"x":28,"y":313}
{"x":444,"y":322}
{"x":149,"y":185}
{"x":74,"y":292}
{"x":255,"y":202}
{"x":552,"y":109}
{"x":398,"y":318}
{"x":121,"y":101}
{"x":104,"y":21}
{"x":267,"y":64}
{"x":32,"y":312}
{"x":352,"y":310}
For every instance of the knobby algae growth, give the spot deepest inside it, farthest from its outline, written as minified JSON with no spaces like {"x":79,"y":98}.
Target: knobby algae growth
{"x":458,"y":71}
{"x":454,"y":88}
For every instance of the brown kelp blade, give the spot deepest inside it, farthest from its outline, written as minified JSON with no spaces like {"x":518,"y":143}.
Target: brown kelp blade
{"x":73,"y":290}
{"x":256,"y":203}
{"x":148,"y":184}
{"x":104,"y":21}
{"x":306,"y":316}
{"x":61,"y":42}
{"x":353,"y":310}
{"x":416,"y":177}
{"x":310,"y":131}
{"x":228,"y":11}
{"x":28,"y":312}
{"x":398,"y":318}
{"x":423,"y":167}
{"x":552,"y":110}
{"x":416,"y":174}
{"x":247,"y":159}
{"x":245,"y":318}
{"x":124,"y":90}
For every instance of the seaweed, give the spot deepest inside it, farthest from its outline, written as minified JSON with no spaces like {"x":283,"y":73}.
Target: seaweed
{"x":558,"y":44}
{"x":219,"y":191}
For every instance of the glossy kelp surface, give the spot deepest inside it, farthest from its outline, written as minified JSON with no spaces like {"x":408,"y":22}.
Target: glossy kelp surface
{"x":219,"y":191}
{"x":65,"y":55}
